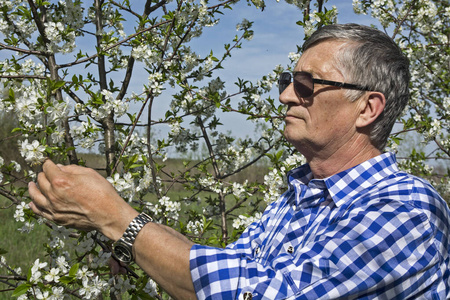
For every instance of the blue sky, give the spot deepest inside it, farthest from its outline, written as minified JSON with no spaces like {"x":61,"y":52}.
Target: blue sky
{"x":275,"y":35}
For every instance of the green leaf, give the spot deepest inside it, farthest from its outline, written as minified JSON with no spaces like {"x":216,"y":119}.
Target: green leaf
{"x":135,"y":166}
{"x":11,"y":94}
{"x":143,"y":295}
{"x":21,"y":289}
{"x":3,"y":251}
{"x":67,"y":279}
{"x":74,"y":269}
{"x":29,"y":274}
{"x":58,"y":84}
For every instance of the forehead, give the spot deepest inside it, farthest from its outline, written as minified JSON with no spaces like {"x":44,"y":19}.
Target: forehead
{"x":319,"y":59}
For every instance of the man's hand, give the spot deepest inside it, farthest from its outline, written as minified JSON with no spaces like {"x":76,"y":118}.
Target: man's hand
{"x":81,"y":198}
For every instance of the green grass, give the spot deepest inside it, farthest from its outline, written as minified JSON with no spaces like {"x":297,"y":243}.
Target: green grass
{"x":23,"y":249}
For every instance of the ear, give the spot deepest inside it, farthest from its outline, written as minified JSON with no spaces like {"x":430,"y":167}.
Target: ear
{"x":371,"y":106}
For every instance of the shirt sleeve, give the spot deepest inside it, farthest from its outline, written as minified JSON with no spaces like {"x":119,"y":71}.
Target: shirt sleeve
{"x":234,"y":272}
{"x":381,"y":248}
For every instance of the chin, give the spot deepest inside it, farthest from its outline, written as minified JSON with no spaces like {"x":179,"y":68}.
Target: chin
{"x":292,"y":139}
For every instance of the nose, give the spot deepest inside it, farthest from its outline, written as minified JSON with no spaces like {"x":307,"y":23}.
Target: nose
{"x":289,"y":97}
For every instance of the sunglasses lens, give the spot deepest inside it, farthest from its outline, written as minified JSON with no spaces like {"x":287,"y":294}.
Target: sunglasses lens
{"x":284,"y":81}
{"x":303,"y":84}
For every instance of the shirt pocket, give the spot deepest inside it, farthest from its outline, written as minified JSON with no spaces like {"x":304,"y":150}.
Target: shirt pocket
{"x":309,"y":272}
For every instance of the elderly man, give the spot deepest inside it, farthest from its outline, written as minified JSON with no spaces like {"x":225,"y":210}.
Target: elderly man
{"x":351,"y":225}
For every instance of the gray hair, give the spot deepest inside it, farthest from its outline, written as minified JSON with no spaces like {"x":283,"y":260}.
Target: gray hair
{"x":370,"y":58}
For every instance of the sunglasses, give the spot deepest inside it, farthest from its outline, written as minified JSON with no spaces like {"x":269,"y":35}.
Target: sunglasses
{"x":304,"y":83}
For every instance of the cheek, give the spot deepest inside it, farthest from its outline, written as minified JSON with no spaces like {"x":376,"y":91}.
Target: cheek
{"x":322,"y":118}
{"x":330,"y":118}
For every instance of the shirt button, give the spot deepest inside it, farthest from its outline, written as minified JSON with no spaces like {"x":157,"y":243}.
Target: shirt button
{"x":248,"y":296}
{"x":257,"y":250}
{"x":290,"y":249}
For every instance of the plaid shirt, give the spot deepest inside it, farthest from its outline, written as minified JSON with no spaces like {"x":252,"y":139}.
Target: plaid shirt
{"x":370,"y":232}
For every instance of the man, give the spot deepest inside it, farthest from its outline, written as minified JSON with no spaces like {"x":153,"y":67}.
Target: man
{"x":351,"y":225}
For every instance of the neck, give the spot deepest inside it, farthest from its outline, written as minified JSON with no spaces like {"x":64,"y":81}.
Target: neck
{"x":326,"y":163}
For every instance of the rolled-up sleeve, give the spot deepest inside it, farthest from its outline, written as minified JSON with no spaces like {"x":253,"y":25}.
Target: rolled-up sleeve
{"x":226,"y":274}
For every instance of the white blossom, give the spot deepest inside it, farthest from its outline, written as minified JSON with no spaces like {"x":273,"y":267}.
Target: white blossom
{"x":23,"y":297}
{"x":84,"y":274}
{"x":155,"y":83}
{"x":435,"y":129}
{"x":119,"y":285}
{"x":32,"y":152}
{"x":92,"y":287}
{"x":124,"y":185}
{"x":274,"y":183}
{"x":59,"y":236}
{"x":36,"y":271}
{"x":211,"y":183}
{"x":86,"y":244}
{"x":27,"y":227}
{"x":26,"y":106}
{"x":86,"y":133}
{"x":144,"y":52}
{"x":196,"y":227}
{"x":239,"y":189}
{"x":17,"y":167}
{"x":19,"y":214}
{"x":171,"y":208}
{"x":62,"y":264}
{"x":243,"y":221}
{"x":151,"y":288}
{"x":101,"y":259}
{"x":294,"y":56}
{"x":52,"y":275}
{"x":58,"y":293}
{"x":42,"y":295}
{"x":146,"y":181}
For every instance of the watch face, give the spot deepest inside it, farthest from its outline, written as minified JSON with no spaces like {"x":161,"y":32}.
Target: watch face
{"x":123,"y":253}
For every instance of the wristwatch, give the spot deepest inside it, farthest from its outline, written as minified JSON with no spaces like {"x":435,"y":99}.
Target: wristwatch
{"x":122,"y":248}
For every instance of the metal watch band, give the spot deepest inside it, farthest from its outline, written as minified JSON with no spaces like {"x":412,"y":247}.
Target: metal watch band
{"x":135,"y":226}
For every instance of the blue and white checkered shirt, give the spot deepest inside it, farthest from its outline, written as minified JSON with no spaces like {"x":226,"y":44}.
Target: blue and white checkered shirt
{"x":370,"y":232}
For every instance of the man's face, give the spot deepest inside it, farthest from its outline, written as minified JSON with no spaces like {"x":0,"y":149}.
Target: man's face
{"x":324,"y":122}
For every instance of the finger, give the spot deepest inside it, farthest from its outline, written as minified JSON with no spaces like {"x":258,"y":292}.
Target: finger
{"x":39,"y":201}
{"x":50,"y":169}
{"x":42,"y":186}
{"x":37,"y":211}
{"x":72,"y":169}
{"x":34,"y":208}
{"x":35,"y":194}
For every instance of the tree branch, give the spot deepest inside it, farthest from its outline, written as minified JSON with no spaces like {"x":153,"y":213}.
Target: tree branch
{"x":25,"y":51}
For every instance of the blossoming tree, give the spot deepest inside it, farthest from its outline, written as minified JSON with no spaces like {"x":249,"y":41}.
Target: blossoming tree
{"x":70,"y":95}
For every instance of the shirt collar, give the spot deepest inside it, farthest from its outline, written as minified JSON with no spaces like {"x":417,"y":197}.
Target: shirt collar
{"x":346,"y":184}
